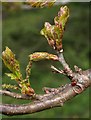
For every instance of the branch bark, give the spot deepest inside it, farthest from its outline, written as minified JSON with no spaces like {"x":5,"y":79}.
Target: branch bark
{"x":55,"y":98}
{"x":14,"y":95}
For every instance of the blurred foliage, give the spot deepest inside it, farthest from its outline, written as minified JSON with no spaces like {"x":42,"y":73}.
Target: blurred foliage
{"x":11,"y":7}
{"x":21,"y":33}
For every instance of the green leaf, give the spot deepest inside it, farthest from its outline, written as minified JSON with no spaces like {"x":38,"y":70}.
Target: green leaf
{"x":41,"y":3}
{"x":12,"y":64}
{"x":11,"y":75}
{"x":9,"y":86}
{"x":62,"y":17}
{"x":54,"y":33}
{"x":41,"y":56}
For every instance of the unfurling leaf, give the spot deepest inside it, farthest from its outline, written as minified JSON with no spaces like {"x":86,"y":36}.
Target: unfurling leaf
{"x":42,"y":55}
{"x":40,"y":3}
{"x":12,"y":76}
{"x":54,"y":33}
{"x":9,"y":86}
{"x":12,"y":64}
{"x":37,"y":56}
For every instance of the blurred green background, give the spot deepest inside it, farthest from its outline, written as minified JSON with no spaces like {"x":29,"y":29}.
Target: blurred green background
{"x":21,"y":33}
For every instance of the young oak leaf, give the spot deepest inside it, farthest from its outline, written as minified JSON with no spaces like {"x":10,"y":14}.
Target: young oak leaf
{"x":37,"y":56}
{"x":62,"y":17}
{"x":42,"y":55}
{"x":12,"y":64}
{"x":40,"y":3}
{"x":9,"y":86}
{"x":11,"y":75}
{"x":54,"y":33}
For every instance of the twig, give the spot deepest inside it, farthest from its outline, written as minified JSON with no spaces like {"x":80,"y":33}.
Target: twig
{"x":66,"y":67}
{"x":14,"y":95}
{"x":20,"y":96}
{"x":56,"y":70}
{"x":77,"y":69}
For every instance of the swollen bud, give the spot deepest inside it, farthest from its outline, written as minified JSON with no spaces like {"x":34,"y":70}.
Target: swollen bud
{"x":54,"y":33}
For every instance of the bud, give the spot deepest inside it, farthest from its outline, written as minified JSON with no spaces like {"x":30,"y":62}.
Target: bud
{"x":54,"y":33}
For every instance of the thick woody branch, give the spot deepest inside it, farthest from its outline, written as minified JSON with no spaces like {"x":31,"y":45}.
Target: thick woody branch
{"x":55,"y":98}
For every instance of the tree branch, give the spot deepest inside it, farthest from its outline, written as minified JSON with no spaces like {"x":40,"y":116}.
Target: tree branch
{"x":67,"y":69}
{"x":55,"y":98}
{"x":14,"y":95}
